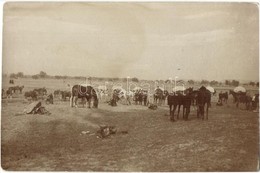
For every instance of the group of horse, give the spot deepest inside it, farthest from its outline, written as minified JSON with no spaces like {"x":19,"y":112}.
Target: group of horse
{"x":141,"y":97}
{"x":35,"y":93}
{"x":11,"y":90}
{"x":187,"y":98}
{"x":63,"y":94}
{"x":244,"y":98}
{"x":240,"y":98}
{"x":160,"y":96}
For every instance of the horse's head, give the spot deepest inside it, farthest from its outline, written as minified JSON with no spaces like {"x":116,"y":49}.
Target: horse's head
{"x":231,"y":92}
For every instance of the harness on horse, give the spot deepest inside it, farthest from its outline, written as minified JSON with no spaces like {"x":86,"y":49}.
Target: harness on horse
{"x":82,"y":92}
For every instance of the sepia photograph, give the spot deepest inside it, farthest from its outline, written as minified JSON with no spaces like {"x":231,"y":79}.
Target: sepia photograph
{"x":130,"y":86}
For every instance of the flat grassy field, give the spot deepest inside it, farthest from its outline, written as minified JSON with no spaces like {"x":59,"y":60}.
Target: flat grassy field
{"x":228,"y":141}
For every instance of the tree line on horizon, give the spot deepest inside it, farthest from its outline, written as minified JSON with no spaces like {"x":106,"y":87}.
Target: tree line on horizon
{"x":42,"y":75}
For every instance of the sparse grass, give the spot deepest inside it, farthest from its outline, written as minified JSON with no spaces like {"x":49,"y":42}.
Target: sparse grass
{"x":228,"y":141}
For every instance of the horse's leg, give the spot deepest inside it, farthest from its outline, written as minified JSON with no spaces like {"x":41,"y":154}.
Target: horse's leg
{"x":170,"y":107}
{"x":183,"y":111}
{"x":75,"y":101}
{"x":198,"y":111}
{"x":171,"y":113}
{"x":187,"y":112}
{"x":247,"y":105}
{"x":89,"y":102}
{"x":207,"y":111}
{"x":179,"y":107}
{"x":202,"y":111}
{"x":71,"y":101}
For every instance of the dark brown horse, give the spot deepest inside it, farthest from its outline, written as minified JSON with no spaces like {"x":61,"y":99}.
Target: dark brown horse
{"x":41,"y":91}
{"x":178,"y":99}
{"x":65,"y":94}
{"x":241,"y":97}
{"x":158,"y":96}
{"x":203,"y":98}
{"x":223,"y":97}
{"x":84,"y":92}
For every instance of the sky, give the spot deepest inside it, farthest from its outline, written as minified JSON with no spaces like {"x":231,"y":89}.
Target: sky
{"x":212,"y":41}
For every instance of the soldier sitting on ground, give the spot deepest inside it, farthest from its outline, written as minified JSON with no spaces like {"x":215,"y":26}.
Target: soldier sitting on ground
{"x":219,"y":103}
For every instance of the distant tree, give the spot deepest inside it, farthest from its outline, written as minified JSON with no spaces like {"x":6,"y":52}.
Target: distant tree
{"x":35,"y":76}
{"x":77,"y":77}
{"x":257,"y":84}
{"x":42,"y":74}
{"x":57,"y":77}
{"x":227,"y":82}
{"x":20,"y":74}
{"x":13,"y":75}
{"x":252,"y":83}
{"x":214,"y":83}
{"x":116,"y":79}
{"x":204,"y":82}
{"x":135,"y":79}
{"x":191,"y":82}
{"x":64,"y":77}
{"x":124,"y":79}
{"x":235,"y":83}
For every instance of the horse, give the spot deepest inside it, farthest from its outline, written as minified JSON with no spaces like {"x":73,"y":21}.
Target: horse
{"x":56,"y":93}
{"x":65,"y":94}
{"x":145,"y":97}
{"x":33,"y":94}
{"x":115,"y":97}
{"x":165,"y":95}
{"x":41,"y":91}
{"x":235,"y":95}
{"x":9,"y":92}
{"x":21,"y":89}
{"x":223,"y":97}
{"x":203,"y":98}
{"x":241,"y":97}
{"x":138,"y":97}
{"x":158,"y":96}
{"x":178,"y":99}
{"x":245,"y":99}
{"x":84,"y":92}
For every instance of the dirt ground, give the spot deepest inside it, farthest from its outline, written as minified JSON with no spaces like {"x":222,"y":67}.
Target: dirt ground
{"x":228,"y":141}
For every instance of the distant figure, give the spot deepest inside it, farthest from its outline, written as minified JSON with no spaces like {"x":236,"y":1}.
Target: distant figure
{"x":49,"y":99}
{"x":114,"y":99}
{"x":128,"y":99}
{"x":11,"y":81}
